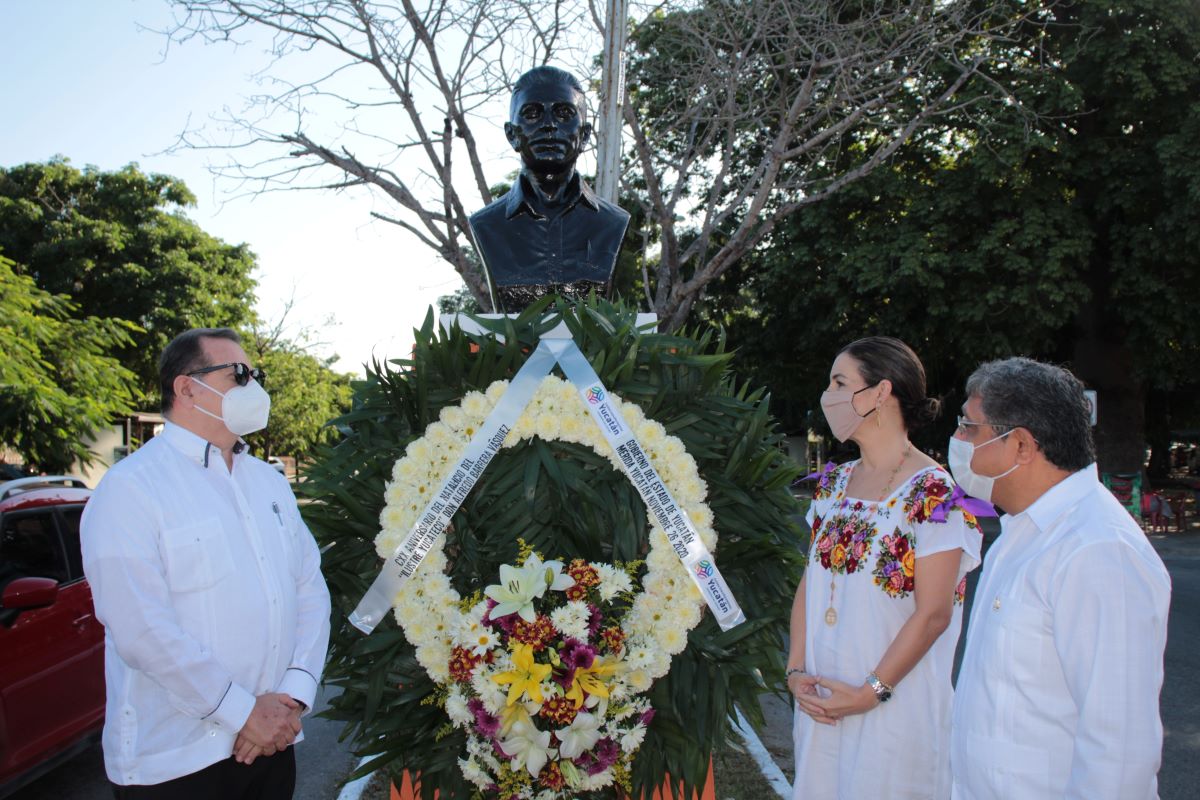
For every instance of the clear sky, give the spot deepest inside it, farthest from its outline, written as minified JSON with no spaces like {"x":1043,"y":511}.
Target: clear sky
{"x":81,"y":78}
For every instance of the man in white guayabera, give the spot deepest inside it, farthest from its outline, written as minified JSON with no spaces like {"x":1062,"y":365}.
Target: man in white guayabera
{"x":209,"y":586}
{"x":1058,"y":692}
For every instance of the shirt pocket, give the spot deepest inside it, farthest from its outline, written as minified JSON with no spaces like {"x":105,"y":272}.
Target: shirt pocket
{"x":289,"y":540}
{"x":1024,"y":636}
{"x":197,"y":555}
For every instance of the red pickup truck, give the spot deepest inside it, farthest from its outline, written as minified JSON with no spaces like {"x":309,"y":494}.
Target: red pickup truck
{"x":51,"y":645}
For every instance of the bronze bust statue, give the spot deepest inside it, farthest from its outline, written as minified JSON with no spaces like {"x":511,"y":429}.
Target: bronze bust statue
{"x":550,"y":233}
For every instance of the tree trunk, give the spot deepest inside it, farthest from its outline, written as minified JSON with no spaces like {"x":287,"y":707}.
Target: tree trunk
{"x":1104,"y":362}
{"x":1158,"y":434}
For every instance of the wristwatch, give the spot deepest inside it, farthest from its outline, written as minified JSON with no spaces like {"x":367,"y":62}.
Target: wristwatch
{"x":883,"y":692}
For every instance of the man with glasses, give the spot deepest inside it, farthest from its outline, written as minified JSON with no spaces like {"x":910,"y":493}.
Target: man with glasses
{"x":1058,"y":692}
{"x":209,"y":587}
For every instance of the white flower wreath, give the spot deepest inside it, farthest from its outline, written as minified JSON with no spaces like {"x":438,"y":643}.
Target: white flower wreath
{"x":428,"y":607}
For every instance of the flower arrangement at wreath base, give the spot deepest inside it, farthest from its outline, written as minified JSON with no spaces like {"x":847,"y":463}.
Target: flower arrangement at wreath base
{"x":539,"y":681}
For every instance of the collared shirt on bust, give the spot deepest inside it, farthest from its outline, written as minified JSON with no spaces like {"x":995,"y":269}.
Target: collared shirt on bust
{"x":527,"y":242}
{"x":209,"y":587}
{"x":1059,"y":687}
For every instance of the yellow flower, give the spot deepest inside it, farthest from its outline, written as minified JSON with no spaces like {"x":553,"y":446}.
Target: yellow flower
{"x":526,"y":676}
{"x":590,"y":680}
{"x":512,"y":714}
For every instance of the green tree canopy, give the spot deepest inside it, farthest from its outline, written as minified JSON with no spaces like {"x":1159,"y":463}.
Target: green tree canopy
{"x":1074,"y":242}
{"x":57,"y":380}
{"x":118,"y":245}
{"x":306,"y":393}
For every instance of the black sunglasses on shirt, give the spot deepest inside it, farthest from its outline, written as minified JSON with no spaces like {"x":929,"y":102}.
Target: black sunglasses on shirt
{"x":242,"y":373}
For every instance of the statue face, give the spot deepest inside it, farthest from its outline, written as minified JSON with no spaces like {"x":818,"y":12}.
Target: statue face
{"x":548,"y":127}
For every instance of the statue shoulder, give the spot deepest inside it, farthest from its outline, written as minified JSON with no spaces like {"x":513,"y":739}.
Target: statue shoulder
{"x":612,"y":209}
{"x":493,"y":212}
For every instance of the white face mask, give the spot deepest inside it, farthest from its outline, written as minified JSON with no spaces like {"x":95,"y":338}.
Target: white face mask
{"x":959,"y":455}
{"x":244,"y":409}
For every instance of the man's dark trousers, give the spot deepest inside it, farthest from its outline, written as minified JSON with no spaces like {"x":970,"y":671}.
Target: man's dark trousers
{"x":268,"y":778}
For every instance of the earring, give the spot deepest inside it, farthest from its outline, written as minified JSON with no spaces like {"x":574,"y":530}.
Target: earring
{"x":878,"y":421}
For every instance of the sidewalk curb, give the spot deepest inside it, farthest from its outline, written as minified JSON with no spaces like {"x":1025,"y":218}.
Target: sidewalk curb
{"x":758,"y":752}
{"x":354,"y":789}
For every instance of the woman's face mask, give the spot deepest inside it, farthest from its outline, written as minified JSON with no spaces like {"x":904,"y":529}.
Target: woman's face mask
{"x":840,"y":414}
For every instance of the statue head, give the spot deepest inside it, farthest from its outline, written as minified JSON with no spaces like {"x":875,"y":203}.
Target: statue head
{"x":547,"y":120}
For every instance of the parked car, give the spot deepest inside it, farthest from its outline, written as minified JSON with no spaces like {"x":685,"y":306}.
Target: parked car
{"x":278,"y":465}
{"x":10,"y":472}
{"x":52,"y":667}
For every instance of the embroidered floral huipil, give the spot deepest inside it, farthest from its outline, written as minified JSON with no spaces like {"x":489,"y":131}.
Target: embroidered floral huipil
{"x":869,"y":549}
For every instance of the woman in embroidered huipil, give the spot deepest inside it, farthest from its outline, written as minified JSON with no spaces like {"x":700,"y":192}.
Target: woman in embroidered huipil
{"x":877,"y":615}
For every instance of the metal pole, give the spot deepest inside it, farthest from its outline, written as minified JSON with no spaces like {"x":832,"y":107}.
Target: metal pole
{"x":612,"y":89}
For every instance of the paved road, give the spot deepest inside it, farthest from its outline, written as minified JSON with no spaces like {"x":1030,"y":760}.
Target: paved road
{"x":323,"y":761}
{"x":321,"y":765}
{"x":1180,"y":700}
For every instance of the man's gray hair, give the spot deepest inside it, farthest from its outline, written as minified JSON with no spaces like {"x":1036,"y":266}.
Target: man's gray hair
{"x":1045,"y":399}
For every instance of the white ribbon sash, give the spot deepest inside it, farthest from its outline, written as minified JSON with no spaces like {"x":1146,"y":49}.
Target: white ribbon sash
{"x":484,"y":445}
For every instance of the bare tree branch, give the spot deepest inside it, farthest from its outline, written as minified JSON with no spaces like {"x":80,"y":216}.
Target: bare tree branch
{"x":391,"y":69}
{"x":739,"y":112}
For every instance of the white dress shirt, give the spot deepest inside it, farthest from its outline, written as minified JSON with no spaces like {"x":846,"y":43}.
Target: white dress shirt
{"x":210,"y":590}
{"x":1058,"y":692}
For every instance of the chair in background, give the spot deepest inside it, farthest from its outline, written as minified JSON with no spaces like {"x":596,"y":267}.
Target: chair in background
{"x":1127,"y":488}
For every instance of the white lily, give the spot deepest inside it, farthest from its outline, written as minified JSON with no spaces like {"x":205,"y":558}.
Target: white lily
{"x":580,"y":736}
{"x":527,"y":746}
{"x":552,"y":572}
{"x":520,"y":586}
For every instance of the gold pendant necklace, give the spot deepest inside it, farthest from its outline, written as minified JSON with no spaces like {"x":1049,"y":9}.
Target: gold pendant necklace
{"x":831,"y":612}
{"x":887,"y":489}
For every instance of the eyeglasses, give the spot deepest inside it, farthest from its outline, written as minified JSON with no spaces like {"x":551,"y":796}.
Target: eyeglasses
{"x":242,"y":373}
{"x":999,"y":427}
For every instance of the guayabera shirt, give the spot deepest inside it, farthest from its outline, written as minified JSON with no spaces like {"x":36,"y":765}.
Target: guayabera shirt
{"x":210,"y":590}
